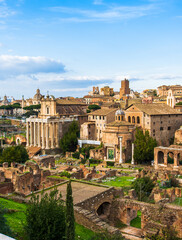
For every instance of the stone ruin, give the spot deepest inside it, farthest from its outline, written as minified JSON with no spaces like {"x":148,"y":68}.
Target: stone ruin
{"x":46,"y":161}
{"x":24,"y":179}
{"x":85,"y":173}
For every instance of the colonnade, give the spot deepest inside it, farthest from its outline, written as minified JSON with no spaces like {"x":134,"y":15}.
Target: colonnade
{"x":42,"y":133}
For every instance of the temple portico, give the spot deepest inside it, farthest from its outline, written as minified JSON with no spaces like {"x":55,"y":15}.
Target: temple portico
{"x":43,"y":133}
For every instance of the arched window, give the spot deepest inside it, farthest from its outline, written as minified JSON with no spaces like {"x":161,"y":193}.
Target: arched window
{"x":133,"y":119}
{"x":119,"y":118}
{"x":47,"y":110}
{"x":138,"y":119}
{"x":129,"y":119}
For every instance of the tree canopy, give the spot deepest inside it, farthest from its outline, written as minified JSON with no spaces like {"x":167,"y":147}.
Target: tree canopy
{"x":143,"y":187}
{"x":45,"y":217}
{"x":94,"y":107}
{"x":14,"y":154}
{"x":32,"y":107}
{"x":69,"y":141}
{"x":144,"y":147}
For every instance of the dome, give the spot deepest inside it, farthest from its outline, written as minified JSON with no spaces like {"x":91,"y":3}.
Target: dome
{"x":119,"y":112}
{"x":37,"y":96}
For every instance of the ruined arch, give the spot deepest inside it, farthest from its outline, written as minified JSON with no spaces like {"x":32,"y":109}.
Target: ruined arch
{"x":103,"y":210}
{"x":160,"y":157}
{"x":170,"y":158}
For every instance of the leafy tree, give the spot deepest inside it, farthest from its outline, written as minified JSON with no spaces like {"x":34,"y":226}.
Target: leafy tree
{"x":69,"y":141}
{"x":179,"y":103}
{"x":32,"y":107}
{"x":143,"y":187}
{"x":45,"y":217}
{"x":94,"y":107}
{"x":144,"y":147}
{"x":4,"y":228}
{"x":30,"y":113}
{"x":14,"y":154}
{"x":70,"y":219}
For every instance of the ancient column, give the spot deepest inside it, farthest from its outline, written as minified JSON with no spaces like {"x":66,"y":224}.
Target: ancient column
{"x":38,"y":127}
{"x":120,"y":158}
{"x":165,"y":159}
{"x":52,"y":136}
{"x":35,"y":134}
{"x":31,"y":133}
{"x":28,"y":134}
{"x":57,"y":134}
{"x":132,"y":160}
{"x":176,"y":164}
{"x":43,"y":136}
{"x":47,"y":136}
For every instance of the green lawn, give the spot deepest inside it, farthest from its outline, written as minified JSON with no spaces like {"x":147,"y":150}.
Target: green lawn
{"x":124,"y":181}
{"x":178,"y":201}
{"x":136,"y":222}
{"x":16,"y":220}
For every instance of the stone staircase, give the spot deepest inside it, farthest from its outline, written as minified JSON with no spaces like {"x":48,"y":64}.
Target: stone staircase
{"x":131,"y":233}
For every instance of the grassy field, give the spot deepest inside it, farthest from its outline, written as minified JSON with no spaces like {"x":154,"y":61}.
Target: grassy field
{"x":178,"y":201}
{"x":16,"y":220}
{"x":124,"y":181}
{"x":136,"y":222}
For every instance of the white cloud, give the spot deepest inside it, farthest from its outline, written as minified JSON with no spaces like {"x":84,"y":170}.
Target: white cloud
{"x":112,"y":13}
{"x":97,"y":2}
{"x":18,"y":65}
{"x":5,"y":11}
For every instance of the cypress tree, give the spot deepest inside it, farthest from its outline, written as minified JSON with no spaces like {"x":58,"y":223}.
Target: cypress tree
{"x":70,"y":219}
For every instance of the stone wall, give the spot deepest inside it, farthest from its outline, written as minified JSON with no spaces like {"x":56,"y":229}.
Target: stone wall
{"x":97,"y":154}
{"x":153,"y":215}
{"x":6,"y":187}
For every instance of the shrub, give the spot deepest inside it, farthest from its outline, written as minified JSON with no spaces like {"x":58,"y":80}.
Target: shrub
{"x":110,"y":164}
{"x":94,"y":161}
{"x":76,"y":155}
{"x":65,"y":174}
{"x":143,"y":187}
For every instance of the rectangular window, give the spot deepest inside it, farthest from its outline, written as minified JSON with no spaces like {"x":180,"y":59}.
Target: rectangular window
{"x":100,"y":117}
{"x":169,"y":128}
{"x":161,"y":128}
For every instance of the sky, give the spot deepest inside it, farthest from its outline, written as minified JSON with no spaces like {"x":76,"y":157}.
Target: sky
{"x":67,"y":46}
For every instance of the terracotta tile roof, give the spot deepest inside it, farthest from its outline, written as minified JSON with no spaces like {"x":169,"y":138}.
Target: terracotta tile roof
{"x":156,"y":109}
{"x":103,"y":111}
{"x":69,"y":102}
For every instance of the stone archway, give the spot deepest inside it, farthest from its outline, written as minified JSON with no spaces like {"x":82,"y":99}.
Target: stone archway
{"x":170,"y":158}
{"x":160,"y":157}
{"x":103,"y":210}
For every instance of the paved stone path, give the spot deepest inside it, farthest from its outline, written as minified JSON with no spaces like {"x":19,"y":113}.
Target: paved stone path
{"x":81,"y":191}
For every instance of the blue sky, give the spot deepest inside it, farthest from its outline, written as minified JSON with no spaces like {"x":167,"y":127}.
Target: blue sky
{"x":67,"y":46}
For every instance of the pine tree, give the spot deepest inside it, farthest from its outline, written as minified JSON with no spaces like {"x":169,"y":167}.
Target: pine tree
{"x":70,"y":219}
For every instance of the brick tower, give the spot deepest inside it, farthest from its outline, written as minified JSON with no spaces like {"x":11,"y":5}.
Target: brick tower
{"x":124,"y":90}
